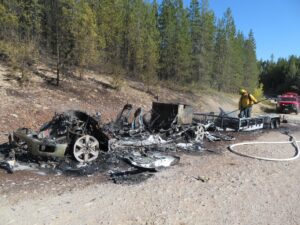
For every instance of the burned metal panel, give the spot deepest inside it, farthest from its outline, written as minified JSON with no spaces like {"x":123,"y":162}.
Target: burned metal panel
{"x":128,"y":123}
{"x":185,"y":114}
{"x":151,"y":160}
{"x":41,"y":147}
{"x":164,"y":114}
{"x":249,"y":124}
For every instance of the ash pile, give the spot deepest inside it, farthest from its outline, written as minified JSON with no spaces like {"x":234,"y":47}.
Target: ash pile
{"x":136,"y":143}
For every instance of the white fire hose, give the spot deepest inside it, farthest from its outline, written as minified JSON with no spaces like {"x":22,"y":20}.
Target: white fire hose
{"x":293,"y":142}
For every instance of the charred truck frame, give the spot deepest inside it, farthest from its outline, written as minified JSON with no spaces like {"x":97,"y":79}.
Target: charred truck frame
{"x":69,"y":133}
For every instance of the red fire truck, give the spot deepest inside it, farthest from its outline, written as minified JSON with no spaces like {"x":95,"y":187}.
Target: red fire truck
{"x":288,"y":102}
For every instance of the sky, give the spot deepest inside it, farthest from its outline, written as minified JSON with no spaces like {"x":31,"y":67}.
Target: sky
{"x":275,"y":23}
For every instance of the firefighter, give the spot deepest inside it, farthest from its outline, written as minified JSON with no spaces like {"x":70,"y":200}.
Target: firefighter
{"x":245,"y":103}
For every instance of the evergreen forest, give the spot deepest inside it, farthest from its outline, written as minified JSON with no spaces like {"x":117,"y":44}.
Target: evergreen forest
{"x":142,"y":40}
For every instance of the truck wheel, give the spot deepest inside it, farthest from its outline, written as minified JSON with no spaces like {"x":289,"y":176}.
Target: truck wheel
{"x":276,"y":123}
{"x":199,"y":133}
{"x":86,"y":149}
{"x":272,"y":124}
{"x":278,"y":111}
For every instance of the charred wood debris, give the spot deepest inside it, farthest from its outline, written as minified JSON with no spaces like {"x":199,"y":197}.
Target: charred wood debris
{"x":135,"y":143}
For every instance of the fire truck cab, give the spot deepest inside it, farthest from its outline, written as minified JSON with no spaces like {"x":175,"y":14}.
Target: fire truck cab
{"x":288,"y":102}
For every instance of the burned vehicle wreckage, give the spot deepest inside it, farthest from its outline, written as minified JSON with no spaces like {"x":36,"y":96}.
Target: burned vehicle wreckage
{"x":77,"y":134}
{"x":80,"y":136}
{"x":70,"y":133}
{"x":143,"y":140}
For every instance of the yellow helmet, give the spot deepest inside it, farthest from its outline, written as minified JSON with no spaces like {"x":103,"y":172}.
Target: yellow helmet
{"x":242,"y":91}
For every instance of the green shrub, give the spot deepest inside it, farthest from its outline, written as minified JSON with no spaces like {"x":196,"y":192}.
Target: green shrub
{"x":258,"y":92}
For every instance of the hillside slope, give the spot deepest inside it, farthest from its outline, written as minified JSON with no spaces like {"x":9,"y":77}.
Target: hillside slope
{"x":31,"y":104}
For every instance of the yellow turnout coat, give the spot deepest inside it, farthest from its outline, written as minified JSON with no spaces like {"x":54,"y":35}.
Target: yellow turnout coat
{"x":246,"y":100}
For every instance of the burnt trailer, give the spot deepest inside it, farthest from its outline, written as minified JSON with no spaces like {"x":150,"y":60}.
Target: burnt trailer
{"x":269,"y":121}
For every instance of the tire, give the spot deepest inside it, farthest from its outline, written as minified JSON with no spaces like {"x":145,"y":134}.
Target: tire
{"x":278,"y":111}
{"x":276,"y":124}
{"x":273,"y":124}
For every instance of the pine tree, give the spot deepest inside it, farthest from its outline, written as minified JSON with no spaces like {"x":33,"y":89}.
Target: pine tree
{"x":21,"y":26}
{"x":59,"y":22}
{"x":29,"y":19}
{"x":134,"y":36}
{"x":85,"y":35}
{"x":151,"y":44}
{"x":250,"y":64}
{"x":195,"y":23}
{"x":183,"y":44}
{"x":175,"y":47}
{"x":229,"y":73}
{"x":110,"y":20}
{"x":207,"y":25}
{"x":167,"y":27}
{"x":8,"y":23}
{"x":291,"y":76}
{"x":238,"y":62}
{"x":219,"y":79}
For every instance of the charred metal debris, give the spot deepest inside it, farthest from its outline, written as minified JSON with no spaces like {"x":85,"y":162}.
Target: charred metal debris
{"x":74,"y":141}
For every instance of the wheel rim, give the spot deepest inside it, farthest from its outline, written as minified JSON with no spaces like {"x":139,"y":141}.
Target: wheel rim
{"x":199,"y":133}
{"x":86,"y":149}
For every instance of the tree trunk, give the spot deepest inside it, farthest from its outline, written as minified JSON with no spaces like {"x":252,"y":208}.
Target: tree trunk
{"x":58,"y":57}
{"x":57,"y":73}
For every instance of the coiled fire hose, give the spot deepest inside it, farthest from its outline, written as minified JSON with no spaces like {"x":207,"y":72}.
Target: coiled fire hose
{"x":292,"y":141}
